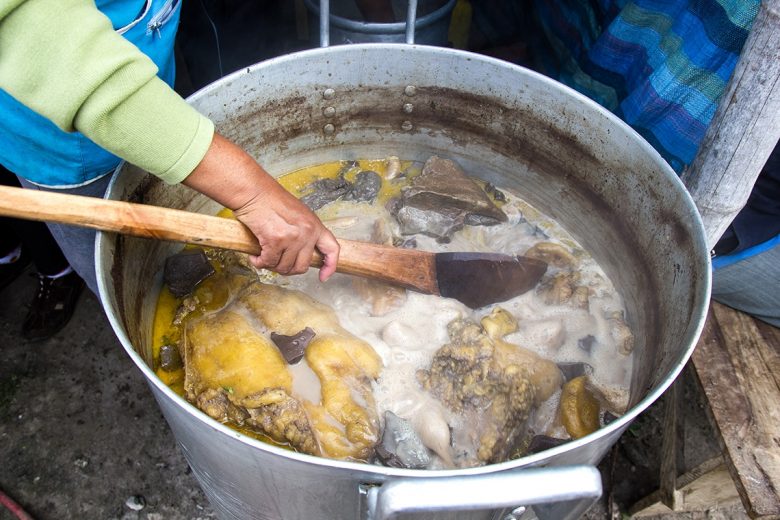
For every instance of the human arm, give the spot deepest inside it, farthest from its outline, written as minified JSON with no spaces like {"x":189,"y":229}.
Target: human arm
{"x":63,"y":59}
{"x":287,"y":230}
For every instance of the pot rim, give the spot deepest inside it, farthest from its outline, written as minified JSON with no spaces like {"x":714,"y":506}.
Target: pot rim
{"x":699,"y":313}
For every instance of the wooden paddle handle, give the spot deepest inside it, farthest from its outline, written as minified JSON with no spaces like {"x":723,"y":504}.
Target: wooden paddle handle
{"x":127,"y":218}
{"x":410,"y":268}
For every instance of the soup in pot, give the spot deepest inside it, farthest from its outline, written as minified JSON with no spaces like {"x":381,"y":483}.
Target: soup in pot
{"x":357,"y":369}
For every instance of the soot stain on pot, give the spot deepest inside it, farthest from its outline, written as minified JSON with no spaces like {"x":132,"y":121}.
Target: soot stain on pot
{"x":137,"y":196}
{"x":276,"y":120}
{"x":463,"y":116}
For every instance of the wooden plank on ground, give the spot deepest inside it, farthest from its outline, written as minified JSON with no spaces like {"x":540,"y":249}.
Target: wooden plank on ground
{"x":705,"y":488}
{"x":770,"y":348}
{"x":734,"y":365}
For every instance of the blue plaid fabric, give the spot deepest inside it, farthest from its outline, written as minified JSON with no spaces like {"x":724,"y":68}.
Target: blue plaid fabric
{"x":660,"y":65}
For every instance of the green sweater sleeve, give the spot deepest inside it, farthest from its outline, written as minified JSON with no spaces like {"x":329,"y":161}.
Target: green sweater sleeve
{"x":63,"y":59}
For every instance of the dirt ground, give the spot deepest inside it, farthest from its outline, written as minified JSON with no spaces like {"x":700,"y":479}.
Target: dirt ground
{"x":81,"y":435}
{"x":80,"y":432}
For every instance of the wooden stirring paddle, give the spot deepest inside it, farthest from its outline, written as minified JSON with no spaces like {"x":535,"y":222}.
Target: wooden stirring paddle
{"x":476,"y":279}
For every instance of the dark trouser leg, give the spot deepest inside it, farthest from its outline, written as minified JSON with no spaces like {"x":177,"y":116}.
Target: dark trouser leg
{"x":34,"y":236}
{"x":77,"y":243}
{"x":8,"y":239}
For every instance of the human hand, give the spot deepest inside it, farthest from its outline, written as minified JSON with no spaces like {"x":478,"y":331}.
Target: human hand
{"x":287,"y":230}
{"x":288,"y":233}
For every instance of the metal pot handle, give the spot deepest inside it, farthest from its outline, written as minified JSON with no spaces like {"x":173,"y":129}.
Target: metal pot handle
{"x":411,"y":22}
{"x":559,"y":493}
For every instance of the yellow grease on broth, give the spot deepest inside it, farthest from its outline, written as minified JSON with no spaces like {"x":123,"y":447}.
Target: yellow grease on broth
{"x":164,"y":333}
{"x":212,"y":293}
{"x":296,"y":182}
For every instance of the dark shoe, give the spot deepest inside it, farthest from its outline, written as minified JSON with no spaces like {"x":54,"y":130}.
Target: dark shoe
{"x":10,"y":272}
{"x":52,"y":307}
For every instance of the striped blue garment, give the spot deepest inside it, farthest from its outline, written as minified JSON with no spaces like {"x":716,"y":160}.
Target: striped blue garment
{"x":660,"y":65}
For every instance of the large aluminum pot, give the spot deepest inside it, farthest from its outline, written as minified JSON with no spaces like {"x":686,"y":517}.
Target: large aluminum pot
{"x":517,"y":129}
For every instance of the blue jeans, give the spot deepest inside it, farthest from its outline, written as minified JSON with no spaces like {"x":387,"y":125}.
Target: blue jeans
{"x":751,"y":285}
{"x":78,"y":243}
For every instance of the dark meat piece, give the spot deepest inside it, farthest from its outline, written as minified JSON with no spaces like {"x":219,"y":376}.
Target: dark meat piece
{"x":326,"y":191}
{"x":543,"y":442}
{"x":387,"y":458}
{"x":293,"y":347}
{"x":572,"y":369}
{"x":586,"y":344}
{"x":444,"y":181}
{"x":184,"y":271}
{"x":170,"y":359}
{"x":441,"y":200}
{"x":438,"y":222}
{"x":401,"y":447}
{"x":497,"y":194}
{"x":365,"y":188}
{"x":473,"y":219}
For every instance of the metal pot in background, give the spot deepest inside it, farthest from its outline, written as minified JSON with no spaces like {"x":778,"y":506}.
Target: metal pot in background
{"x":430,"y":29}
{"x":512,"y":127}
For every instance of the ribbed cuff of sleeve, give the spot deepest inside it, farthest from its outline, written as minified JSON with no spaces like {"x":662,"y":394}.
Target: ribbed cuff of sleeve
{"x":193,"y":154}
{"x":151,"y":127}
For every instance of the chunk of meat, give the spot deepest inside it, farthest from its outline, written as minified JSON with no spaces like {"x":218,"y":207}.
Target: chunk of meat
{"x":554,"y":254}
{"x":544,"y":374}
{"x":579,"y":408}
{"x":184,"y":271}
{"x":347,"y":397}
{"x":484,"y":375}
{"x":224,"y":352}
{"x":401,"y":447}
{"x":440,"y":223}
{"x":321,"y":192}
{"x":392,"y":167}
{"x":441,"y":200}
{"x":621,"y":333}
{"x":365,"y":188}
{"x":235,"y":372}
{"x":325,"y":191}
{"x":563,"y":288}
